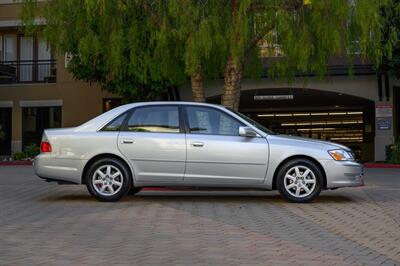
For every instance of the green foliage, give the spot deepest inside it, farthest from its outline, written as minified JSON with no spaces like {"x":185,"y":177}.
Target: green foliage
{"x":393,"y":153}
{"x":391,"y":35}
{"x":138,"y":47}
{"x":114,"y":43}
{"x":18,"y":156}
{"x":29,"y":152}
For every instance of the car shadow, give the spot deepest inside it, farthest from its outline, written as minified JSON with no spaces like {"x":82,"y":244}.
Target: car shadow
{"x":200,"y":197}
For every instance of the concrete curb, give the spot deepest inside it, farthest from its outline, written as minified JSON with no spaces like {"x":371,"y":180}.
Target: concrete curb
{"x":13,"y":163}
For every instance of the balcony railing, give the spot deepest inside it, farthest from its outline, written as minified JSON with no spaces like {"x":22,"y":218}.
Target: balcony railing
{"x":28,"y":71}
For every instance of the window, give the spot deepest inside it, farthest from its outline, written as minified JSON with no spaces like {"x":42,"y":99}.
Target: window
{"x":37,"y":119}
{"x":26,"y":59}
{"x":162,"y":119}
{"x":203,"y":120}
{"x":116,"y":124}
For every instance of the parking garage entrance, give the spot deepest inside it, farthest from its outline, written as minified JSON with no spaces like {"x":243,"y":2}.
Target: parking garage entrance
{"x":331,"y":116}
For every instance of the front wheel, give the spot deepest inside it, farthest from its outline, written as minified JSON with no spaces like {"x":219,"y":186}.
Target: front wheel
{"x":299,"y":180}
{"x":108,"y":179}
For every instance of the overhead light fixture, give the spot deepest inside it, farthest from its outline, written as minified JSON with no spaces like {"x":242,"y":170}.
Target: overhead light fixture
{"x":319,"y":113}
{"x":338,"y":113}
{"x":266,"y":115}
{"x":301,"y":114}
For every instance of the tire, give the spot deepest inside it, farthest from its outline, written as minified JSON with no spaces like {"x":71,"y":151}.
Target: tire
{"x":108,"y":179}
{"x":299,"y":180}
{"x":134,"y":190}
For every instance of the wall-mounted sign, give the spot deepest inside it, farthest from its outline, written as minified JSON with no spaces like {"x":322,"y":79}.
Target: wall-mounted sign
{"x":383,"y":110}
{"x":384,"y":123}
{"x":273,"y":97}
{"x":383,"y":114}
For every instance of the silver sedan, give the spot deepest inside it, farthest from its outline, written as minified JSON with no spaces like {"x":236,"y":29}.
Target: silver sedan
{"x":193,"y":145}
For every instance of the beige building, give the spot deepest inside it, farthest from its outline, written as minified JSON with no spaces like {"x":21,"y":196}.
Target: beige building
{"x":37,"y":92}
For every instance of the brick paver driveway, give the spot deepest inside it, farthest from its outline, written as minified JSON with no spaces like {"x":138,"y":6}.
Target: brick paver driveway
{"x":44,"y":223}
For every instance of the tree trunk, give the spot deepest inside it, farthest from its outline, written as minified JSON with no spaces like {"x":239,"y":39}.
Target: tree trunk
{"x":197,"y":87}
{"x":232,"y":84}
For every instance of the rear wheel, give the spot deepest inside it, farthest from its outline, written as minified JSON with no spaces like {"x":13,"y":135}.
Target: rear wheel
{"x":299,"y":180}
{"x":108,"y":179}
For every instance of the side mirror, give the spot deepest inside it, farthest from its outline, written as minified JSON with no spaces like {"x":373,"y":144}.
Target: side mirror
{"x":247,"y":132}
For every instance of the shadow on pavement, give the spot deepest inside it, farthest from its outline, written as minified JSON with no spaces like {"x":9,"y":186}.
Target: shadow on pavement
{"x":195,"y":197}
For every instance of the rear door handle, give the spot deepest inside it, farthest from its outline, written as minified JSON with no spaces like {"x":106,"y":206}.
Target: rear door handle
{"x":197,"y":144}
{"x":127,"y":141}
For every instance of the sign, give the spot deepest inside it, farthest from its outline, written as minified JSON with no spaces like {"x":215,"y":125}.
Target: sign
{"x":384,"y":123}
{"x":383,"y":110}
{"x":273,"y":97}
{"x":383,"y":114}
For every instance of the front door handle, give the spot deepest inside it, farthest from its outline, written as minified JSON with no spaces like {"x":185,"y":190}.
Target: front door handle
{"x":127,"y":141}
{"x":197,"y":144}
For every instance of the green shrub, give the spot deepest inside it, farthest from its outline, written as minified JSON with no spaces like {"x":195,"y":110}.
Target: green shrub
{"x":393,"y":153}
{"x":19,"y":156}
{"x":31,"y":150}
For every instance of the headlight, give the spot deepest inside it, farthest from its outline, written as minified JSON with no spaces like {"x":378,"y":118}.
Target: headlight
{"x":341,"y":155}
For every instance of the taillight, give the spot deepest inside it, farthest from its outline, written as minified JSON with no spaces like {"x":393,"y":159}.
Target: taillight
{"x":45,"y":146}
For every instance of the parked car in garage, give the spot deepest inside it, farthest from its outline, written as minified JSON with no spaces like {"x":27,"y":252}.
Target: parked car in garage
{"x":192,"y":145}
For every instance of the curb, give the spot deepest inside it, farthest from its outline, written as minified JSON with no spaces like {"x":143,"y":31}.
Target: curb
{"x":381,"y":165}
{"x":13,"y":163}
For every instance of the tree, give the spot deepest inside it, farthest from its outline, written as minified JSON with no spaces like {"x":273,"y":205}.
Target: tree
{"x":391,"y":35}
{"x":114,"y":43}
{"x":197,"y":26}
{"x":147,"y":45}
{"x":308,"y":33}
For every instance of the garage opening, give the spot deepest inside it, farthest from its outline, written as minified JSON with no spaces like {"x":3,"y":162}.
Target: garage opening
{"x":331,"y":116}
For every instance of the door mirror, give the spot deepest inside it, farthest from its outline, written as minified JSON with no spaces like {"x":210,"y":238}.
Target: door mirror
{"x":247,"y":132}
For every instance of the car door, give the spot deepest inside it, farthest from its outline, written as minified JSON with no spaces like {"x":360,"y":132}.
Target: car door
{"x":154,"y":142}
{"x":217,"y":154}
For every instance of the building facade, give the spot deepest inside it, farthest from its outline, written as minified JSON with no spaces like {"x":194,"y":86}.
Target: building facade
{"x":360,"y":110}
{"x":37,"y":92}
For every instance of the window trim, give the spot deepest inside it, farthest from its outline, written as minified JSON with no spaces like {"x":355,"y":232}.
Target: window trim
{"x":124,"y":127}
{"x":187,"y":126}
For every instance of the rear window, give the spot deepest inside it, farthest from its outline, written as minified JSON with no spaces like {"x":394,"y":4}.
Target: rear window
{"x":116,"y":124}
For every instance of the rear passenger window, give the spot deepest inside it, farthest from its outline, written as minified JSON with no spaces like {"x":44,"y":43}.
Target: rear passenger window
{"x":161,"y":119}
{"x":116,"y":124}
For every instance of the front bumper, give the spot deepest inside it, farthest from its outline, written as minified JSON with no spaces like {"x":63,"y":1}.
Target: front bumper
{"x":343,"y":174}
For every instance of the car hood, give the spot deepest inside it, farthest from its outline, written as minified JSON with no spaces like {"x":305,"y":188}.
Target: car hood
{"x":334,"y":145}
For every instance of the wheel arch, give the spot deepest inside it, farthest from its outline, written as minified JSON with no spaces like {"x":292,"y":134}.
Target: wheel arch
{"x":102,"y":156}
{"x":294,"y":157}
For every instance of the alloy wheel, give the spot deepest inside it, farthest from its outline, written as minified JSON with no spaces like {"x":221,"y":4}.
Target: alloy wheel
{"x":300,"y":181}
{"x":107,"y":180}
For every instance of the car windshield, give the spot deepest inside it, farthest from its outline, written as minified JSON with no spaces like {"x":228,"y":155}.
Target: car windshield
{"x":254,"y":123}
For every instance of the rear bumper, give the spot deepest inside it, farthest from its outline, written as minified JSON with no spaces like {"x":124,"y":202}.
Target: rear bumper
{"x":66,"y":170}
{"x":343,"y":173}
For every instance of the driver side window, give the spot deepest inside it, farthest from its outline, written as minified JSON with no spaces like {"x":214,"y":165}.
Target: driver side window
{"x":204,"y":120}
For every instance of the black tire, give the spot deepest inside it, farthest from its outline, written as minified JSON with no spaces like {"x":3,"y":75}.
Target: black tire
{"x":124,"y":178}
{"x":301,"y":164}
{"x":134,"y":190}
